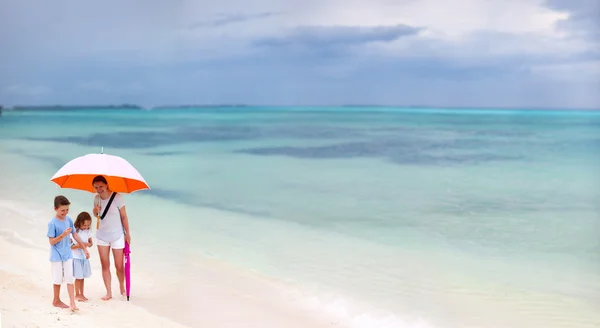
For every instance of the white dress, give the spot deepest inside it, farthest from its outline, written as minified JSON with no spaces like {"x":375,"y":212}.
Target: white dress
{"x":81,"y":265}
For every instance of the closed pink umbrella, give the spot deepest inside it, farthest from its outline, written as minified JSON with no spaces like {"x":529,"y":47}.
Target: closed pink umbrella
{"x":126,"y":252}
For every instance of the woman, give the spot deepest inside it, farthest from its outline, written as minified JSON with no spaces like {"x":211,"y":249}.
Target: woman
{"x":112,"y":233}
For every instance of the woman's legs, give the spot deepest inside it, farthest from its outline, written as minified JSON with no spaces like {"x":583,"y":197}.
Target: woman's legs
{"x":104,"y":252}
{"x":119,"y":265}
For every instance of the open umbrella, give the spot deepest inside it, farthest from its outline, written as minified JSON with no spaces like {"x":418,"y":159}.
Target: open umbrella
{"x":121,"y":177}
{"x":120,"y":174}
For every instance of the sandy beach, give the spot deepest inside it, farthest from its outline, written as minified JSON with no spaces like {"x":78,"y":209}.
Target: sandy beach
{"x":26,"y":297}
{"x":226,"y":297}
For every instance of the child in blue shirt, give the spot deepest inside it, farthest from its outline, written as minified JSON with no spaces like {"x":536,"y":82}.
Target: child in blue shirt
{"x":61,"y":256}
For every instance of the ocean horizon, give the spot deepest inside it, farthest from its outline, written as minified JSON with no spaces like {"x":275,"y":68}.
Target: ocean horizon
{"x":127,"y":106}
{"x":373,"y":216}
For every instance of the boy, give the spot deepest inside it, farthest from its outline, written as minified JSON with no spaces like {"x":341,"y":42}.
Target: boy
{"x":61,"y":257}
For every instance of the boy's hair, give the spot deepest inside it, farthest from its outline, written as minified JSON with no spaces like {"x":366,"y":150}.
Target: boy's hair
{"x":81,"y":218}
{"x":61,"y":200}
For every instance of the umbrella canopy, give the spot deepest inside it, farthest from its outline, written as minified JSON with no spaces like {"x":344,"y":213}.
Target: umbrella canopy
{"x":120,"y":174}
{"x":127,"y":269}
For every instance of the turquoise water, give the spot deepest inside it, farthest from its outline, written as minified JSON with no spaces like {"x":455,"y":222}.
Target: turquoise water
{"x":390,"y":217}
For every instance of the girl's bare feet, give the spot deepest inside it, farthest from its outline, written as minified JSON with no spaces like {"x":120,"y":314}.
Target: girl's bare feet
{"x":60,"y":304}
{"x":74,"y":307}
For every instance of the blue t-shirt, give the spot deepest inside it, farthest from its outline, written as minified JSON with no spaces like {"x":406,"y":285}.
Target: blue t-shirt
{"x":60,"y":251}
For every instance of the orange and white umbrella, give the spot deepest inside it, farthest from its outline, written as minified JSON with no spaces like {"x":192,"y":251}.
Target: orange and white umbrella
{"x":120,"y":174}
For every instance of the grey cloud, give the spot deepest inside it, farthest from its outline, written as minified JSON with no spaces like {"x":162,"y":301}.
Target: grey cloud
{"x":75,"y":29}
{"x":584,"y":16}
{"x":328,"y":36}
{"x":227,"y":19}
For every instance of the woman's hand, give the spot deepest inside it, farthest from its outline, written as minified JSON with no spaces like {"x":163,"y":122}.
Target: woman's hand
{"x":96,"y":211}
{"x":128,"y":239}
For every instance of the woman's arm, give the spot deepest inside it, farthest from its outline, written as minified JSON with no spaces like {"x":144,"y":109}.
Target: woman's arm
{"x":96,"y":208}
{"x":125,"y":222}
{"x":96,"y":212}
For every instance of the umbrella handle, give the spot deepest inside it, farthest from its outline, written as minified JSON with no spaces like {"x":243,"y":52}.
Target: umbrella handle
{"x":97,"y":202}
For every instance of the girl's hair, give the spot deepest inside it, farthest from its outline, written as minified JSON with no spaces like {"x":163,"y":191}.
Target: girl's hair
{"x":81,"y":218}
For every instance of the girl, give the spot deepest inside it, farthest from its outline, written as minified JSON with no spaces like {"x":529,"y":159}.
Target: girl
{"x":81,"y":265}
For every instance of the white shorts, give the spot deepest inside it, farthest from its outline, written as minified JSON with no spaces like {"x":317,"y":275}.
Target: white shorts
{"x":62,"y":272}
{"x":117,"y":244}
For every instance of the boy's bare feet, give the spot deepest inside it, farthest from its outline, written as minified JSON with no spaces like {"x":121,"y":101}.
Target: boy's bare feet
{"x":107,"y":297}
{"x":60,"y":304}
{"x":81,"y":298}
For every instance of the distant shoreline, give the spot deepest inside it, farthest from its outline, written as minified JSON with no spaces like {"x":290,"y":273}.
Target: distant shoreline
{"x":71,"y":107}
{"x":216,"y":106}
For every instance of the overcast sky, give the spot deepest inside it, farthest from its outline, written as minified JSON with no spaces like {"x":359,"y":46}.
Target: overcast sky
{"x":498,"y":53}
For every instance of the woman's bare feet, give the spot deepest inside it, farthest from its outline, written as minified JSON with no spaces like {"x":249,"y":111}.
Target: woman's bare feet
{"x":60,"y":304}
{"x":122,"y":286}
{"x":107,"y":297}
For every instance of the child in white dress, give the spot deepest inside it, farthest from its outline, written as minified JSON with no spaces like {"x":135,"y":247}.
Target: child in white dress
{"x":81,"y":265}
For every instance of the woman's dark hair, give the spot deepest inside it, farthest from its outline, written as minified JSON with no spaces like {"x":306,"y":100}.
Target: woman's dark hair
{"x":99,"y":178}
{"x":81,"y":218}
